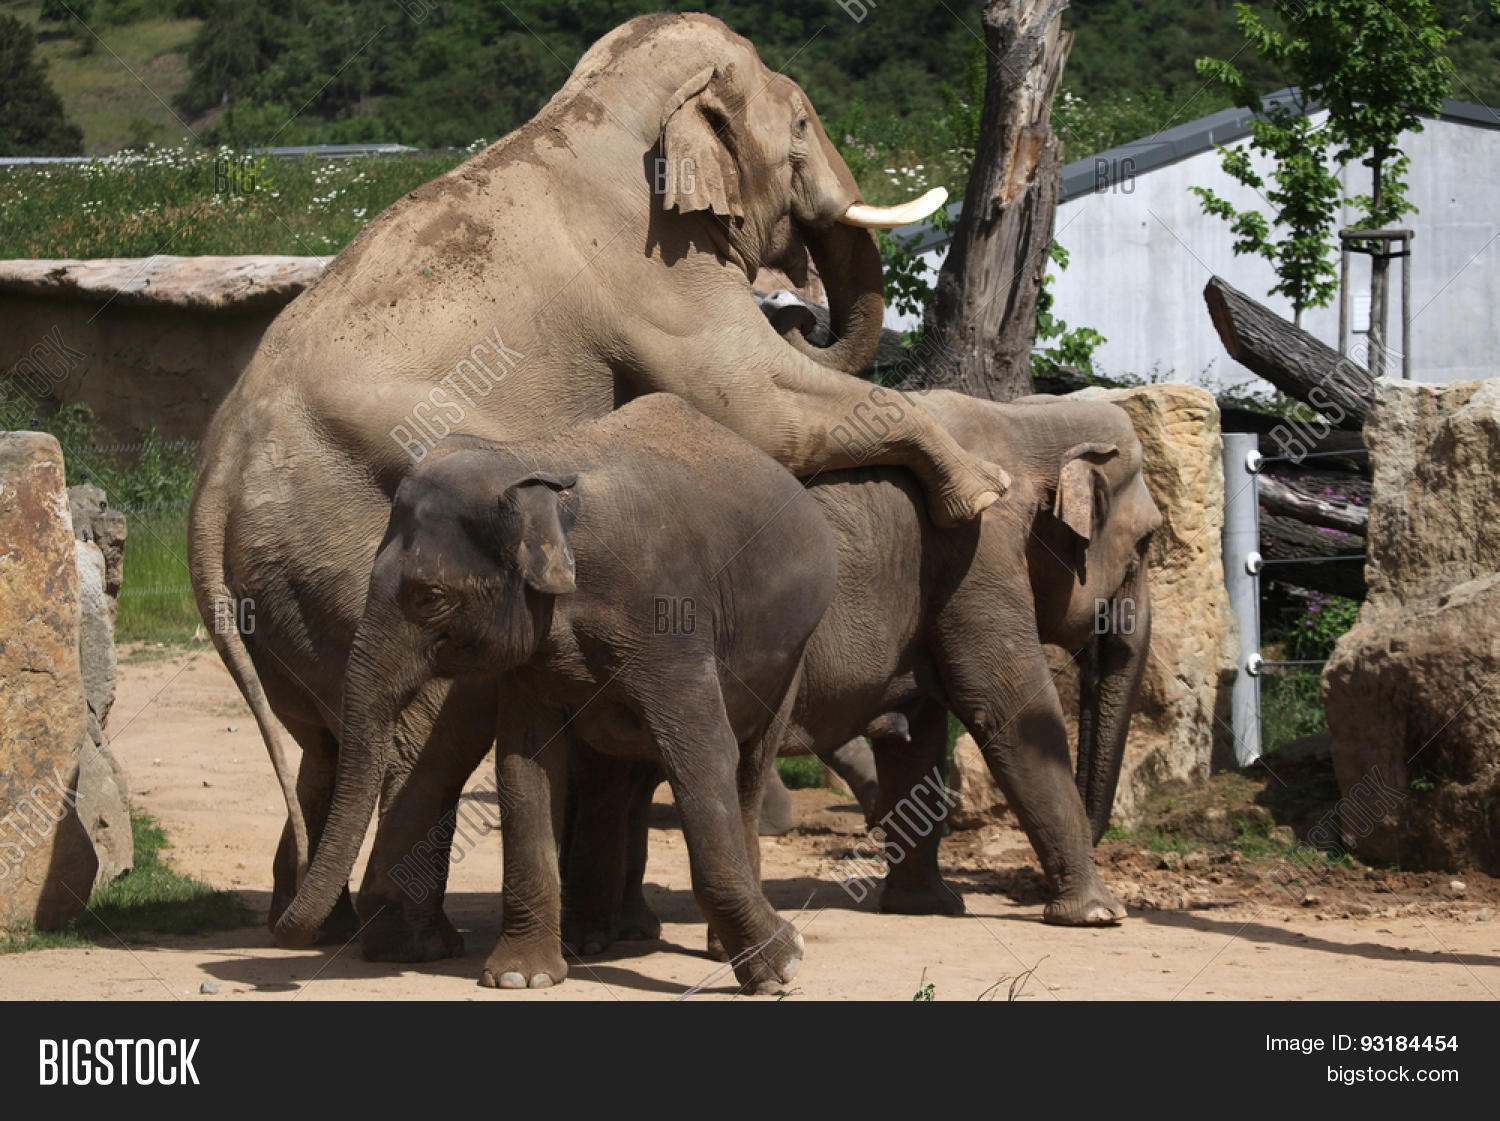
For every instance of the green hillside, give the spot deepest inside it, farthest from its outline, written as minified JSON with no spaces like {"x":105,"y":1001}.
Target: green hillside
{"x":896,"y":88}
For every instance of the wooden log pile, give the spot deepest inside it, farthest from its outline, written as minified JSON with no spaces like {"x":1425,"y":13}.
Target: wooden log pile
{"x":1315,"y":503}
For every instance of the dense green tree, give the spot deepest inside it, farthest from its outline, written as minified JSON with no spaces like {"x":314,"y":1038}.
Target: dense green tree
{"x":32,"y":120}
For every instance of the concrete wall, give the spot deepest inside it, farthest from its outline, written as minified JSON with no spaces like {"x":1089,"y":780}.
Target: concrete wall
{"x":1142,"y":250}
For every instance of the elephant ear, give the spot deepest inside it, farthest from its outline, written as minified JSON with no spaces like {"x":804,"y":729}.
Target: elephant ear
{"x":543,"y":553}
{"x":698,"y":171}
{"x":1075,"y":487}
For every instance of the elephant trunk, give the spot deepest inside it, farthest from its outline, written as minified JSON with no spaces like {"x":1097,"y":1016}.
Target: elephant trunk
{"x":848,"y":260}
{"x":372,"y":700}
{"x":1108,"y":682}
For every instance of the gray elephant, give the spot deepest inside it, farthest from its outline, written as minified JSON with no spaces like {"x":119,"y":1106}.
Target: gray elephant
{"x":928,"y":621}
{"x":601,"y":584}
{"x":602,"y":251}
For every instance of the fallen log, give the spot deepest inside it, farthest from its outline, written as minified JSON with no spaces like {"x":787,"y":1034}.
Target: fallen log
{"x":1278,"y":497}
{"x":1289,"y":358}
{"x":1300,"y":546}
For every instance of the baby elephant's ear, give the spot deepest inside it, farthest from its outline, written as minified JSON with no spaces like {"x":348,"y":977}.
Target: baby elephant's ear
{"x":543,"y":554}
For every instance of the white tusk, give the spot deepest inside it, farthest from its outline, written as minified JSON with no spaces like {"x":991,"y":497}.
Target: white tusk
{"x":886,"y":217}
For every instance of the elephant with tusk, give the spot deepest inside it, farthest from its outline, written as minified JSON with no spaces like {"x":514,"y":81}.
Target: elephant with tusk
{"x":600,"y":252}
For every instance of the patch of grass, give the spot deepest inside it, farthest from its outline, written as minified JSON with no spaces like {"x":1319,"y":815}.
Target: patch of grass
{"x":117,"y":83}
{"x":156,"y":598}
{"x":1290,"y":708}
{"x":188,"y":201}
{"x":802,"y":772}
{"x":152,"y":898}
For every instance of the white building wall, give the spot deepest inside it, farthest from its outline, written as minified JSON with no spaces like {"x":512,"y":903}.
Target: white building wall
{"x":1142,"y":250}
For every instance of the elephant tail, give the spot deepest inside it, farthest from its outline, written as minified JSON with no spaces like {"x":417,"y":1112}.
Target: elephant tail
{"x":223,"y":616}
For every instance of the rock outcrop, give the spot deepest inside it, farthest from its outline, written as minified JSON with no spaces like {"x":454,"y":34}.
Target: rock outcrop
{"x":101,"y":791}
{"x":1412,"y":691}
{"x":47,"y":865}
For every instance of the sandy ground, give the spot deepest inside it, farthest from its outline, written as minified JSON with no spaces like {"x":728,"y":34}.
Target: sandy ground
{"x":1217,"y":933}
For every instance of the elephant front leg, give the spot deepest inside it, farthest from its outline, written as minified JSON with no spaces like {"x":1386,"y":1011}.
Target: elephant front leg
{"x":1023,"y":739}
{"x":910,"y":807}
{"x":531,"y":764}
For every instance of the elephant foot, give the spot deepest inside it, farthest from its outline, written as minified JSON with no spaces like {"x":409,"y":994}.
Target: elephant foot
{"x":639,"y":922}
{"x":922,"y":899}
{"x":715,"y":948}
{"x":390,"y":936}
{"x":534,"y":963}
{"x":769,"y":964}
{"x":341,"y":926}
{"x":969,"y":492}
{"x":1089,"y":905}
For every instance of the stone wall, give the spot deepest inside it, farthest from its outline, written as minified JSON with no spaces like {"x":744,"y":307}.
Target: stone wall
{"x":153,"y":341}
{"x":1412,"y":691}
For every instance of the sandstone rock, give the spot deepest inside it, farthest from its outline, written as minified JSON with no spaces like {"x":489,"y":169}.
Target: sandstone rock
{"x":94,"y":520}
{"x":96,"y":637}
{"x":977,"y":800}
{"x":101,"y":790}
{"x":1410,"y":690}
{"x":47,"y":865}
{"x":104,"y":812}
{"x":1181,"y":726}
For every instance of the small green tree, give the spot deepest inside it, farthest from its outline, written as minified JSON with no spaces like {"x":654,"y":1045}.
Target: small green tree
{"x":1304,"y":194}
{"x":1377,"y":66}
{"x":32,"y":119}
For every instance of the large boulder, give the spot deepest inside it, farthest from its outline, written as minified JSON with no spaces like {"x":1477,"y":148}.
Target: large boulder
{"x":1181,"y":726}
{"x":47,"y":865}
{"x":1411,"y":690}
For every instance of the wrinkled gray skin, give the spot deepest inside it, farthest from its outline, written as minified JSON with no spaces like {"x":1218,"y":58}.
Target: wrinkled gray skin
{"x":602,"y":251}
{"x":597,"y":583}
{"x":925,"y":621}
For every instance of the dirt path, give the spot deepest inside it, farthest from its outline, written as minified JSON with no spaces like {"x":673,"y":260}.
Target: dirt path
{"x":1214,"y":930}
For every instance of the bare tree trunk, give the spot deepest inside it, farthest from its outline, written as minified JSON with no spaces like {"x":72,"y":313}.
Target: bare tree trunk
{"x":981,"y":324}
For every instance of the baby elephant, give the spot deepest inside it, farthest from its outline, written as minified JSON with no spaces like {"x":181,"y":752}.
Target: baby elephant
{"x":602,"y":584}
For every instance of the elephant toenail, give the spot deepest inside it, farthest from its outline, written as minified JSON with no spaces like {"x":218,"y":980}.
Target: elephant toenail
{"x":540,"y":981}
{"x":512,"y":980}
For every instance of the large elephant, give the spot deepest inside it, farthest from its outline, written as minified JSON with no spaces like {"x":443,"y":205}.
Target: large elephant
{"x":927,"y":621}
{"x":598,"y":580}
{"x":600,"y":252}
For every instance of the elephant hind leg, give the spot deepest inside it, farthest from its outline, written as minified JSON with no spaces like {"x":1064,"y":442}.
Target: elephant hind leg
{"x":605,"y":859}
{"x":910,"y":807}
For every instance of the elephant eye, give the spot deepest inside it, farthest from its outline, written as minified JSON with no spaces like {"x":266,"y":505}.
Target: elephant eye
{"x":801,"y":126}
{"x":426,"y":599}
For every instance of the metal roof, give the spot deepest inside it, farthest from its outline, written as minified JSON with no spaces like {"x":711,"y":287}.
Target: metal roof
{"x":1168,"y":146}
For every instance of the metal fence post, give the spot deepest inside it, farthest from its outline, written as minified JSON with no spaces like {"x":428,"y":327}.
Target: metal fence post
{"x":1241,"y":567}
